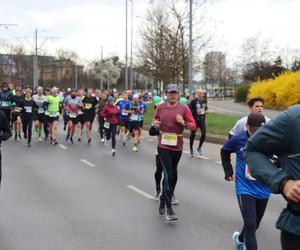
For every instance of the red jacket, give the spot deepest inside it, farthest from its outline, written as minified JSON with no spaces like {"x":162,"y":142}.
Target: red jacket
{"x":111,"y":113}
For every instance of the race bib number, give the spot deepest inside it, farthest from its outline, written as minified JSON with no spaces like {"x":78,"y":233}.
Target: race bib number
{"x":17,"y":109}
{"x":53,"y":114}
{"x":134,"y":118}
{"x":80,"y":112}
{"x":124,"y":114}
{"x":41,"y":111}
{"x":88,"y":106}
{"x":28,"y":109}
{"x":169,"y":139}
{"x":248,"y":174}
{"x":106,"y":125}
{"x":72,"y":115}
{"x":4,"y":104}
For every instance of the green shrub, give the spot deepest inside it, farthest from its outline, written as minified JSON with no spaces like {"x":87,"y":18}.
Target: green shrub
{"x":242,"y":92}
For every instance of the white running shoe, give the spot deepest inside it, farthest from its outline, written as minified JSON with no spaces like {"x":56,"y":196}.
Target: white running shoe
{"x":237,"y":244}
{"x":102,"y":140}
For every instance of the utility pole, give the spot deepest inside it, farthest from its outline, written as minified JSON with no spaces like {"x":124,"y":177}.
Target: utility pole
{"x":131,"y":44}
{"x":126,"y":48}
{"x":190,"y":70}
{"x":76,"y":77}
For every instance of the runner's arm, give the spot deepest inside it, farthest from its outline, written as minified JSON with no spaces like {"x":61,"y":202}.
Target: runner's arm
{"x":189,"y":119}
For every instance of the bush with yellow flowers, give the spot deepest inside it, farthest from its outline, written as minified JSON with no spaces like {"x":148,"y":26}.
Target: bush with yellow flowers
{"x":279,"y":93}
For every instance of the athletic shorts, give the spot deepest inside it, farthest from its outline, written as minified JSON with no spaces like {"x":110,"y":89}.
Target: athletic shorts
{"x":81,"y":119}
{"x":14,"y":116}
{"x":123,"y":123}
{"x":141,"y":123}
{"x":52,"y":119}
{"x":39,"y":117}
{"x":134,"y":125}
{"x":73,"y":120}
{"x":89,"y":117}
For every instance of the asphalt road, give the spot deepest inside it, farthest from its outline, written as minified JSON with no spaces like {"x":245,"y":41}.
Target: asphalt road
{"x":70,"y":197}
{"x":229,"y":107}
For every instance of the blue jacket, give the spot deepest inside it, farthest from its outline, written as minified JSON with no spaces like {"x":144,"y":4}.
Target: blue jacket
{"x":281,"y":137}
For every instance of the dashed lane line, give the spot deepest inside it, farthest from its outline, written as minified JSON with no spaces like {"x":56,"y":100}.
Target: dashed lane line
{"x":141,"y":192}
{"x":87,"y":163}
{"x":62,"y":146}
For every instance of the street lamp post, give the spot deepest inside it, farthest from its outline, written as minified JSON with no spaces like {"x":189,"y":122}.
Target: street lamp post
{"x":190,"y":70}
{"x":131,"y":44}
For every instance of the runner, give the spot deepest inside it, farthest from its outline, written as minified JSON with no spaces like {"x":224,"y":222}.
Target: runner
{"x":171,"y":118}
{"x":28,"y":108}
{"x":123,"y":116}
{"x":143,"y":106}
{"x":6,"y":99}
{"x":65,"y":116}
{"x":39,"y":114}
{"x":53,"y":102}
{"x":16,"y":114}
{"x":5,"y":134}
{"x":134,"y":110}
{"x":256,"y":105}
{"x":111,"y":112}
{"x":80,"y":116}
{"x":251,"y":195}
{"x":103,"y":99}
{"x":72,"y":104}
{"x":90,"y":104}
{"x":198,"y":107}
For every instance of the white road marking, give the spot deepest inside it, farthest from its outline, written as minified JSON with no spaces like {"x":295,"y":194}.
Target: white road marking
{"x":141,"y":192}
{"x":202,"y":157}
{"x":87,"y":163}
{"x":186,"y":152}
{"x":218,"y":162}
{"x":226,"y":110}
{"x":150,"y":140}
{"x":63,"y":146}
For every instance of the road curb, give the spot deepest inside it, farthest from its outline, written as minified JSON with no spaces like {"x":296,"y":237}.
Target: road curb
{"x":217,"y":139}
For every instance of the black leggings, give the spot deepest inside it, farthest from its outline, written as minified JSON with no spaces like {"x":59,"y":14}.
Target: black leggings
{"x":202,"y":126}
{"x":289,"y":241}
{"x":27,"y":127}
{"x":111,"y":133}
{"x":158,"y":173}
{"x":169,"y":160}
{"x":101,"y":125}
{"x":252,"y":210}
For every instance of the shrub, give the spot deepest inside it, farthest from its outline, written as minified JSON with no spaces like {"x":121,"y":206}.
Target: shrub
{"x":280,"y":93}
{"x":241,"y":93}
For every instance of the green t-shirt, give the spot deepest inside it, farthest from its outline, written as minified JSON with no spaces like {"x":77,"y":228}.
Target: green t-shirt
{"x":54,"y":103}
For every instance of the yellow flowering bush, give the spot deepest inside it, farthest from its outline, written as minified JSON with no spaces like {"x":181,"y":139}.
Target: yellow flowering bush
{"x":280,"y":93}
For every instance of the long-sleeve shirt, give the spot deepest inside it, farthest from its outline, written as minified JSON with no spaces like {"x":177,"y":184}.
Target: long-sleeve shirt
{"x":167,"y":116}
{"x":281,"y":137}
{"x":5,"y":132}
{"x":111,"y":113}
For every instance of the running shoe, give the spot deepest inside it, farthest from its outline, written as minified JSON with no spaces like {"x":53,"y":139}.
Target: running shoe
{"x":162,"y":207}
{"x":124,"y":143}
{"x":199,"y":150}
{"x":135,"y":149}
{"x":171,"y":216}
{"x":156,"y":196}
{"x":174,"y":200}
{"x":113,"y":152}
{"x":89,"y":140}
{"x":79,"y":139}
{"x":54,"y":142}
{"x":192,"y":152}
{"x":40,"y":139}
{"x":102,"y":140}
{"x":237,"y":244}
{"x":106,"y":142}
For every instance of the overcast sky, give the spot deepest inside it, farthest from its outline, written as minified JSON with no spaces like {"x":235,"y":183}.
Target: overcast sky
{"x":84,"y":26}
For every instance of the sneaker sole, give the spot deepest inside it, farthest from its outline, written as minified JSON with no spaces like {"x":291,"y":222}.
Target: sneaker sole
{"x":171,"y":219}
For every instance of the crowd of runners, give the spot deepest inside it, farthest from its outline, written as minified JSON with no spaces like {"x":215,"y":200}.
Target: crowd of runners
{"x":123,"y":113}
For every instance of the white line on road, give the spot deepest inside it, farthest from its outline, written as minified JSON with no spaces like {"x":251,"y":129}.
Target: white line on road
{"x":227,"y":110}
{"x":87,"y":163}
{"x":202,"y":157}
{"x":141,"y":192}
{"x":218,"y":162}
{"x":149,"y":140}
{"x":63,"y":146}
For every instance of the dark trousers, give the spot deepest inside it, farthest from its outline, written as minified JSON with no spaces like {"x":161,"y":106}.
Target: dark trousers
{"x":27,"y":127}
{"x":169,"y":160}
{"x":111,"y":133}
{"x":158,"y":173}
{"x":252,"y":210}
{"x":101,"y":125}
{"x":290,"y":241}
{"x":202,"y":126}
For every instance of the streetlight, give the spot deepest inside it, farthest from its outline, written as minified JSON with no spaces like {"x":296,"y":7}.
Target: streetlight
{"x":126,"y":48}
{"x":190,"y":70}
{"x":131,"y":43}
